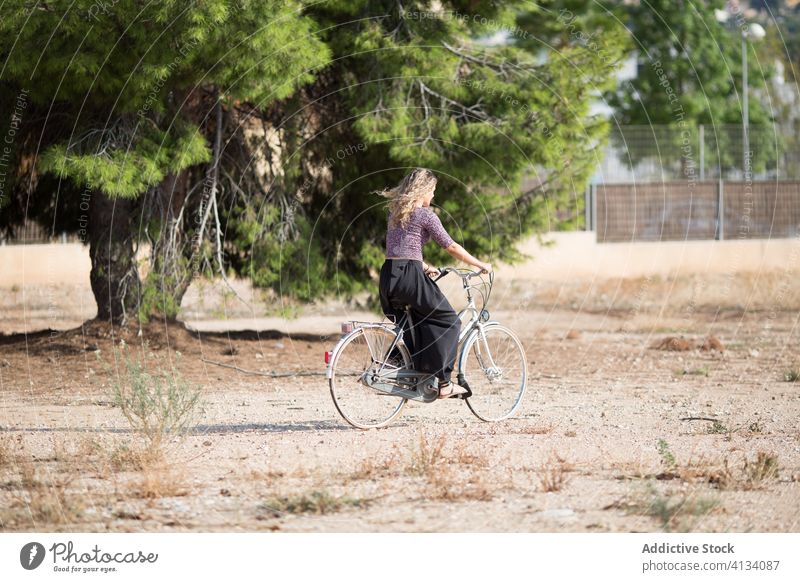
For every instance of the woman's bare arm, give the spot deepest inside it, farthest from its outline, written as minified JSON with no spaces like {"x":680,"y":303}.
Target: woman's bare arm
{"x":460,"y":254}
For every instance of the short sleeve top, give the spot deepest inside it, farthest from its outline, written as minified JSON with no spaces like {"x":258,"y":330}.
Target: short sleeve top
{"x":423,"y":225}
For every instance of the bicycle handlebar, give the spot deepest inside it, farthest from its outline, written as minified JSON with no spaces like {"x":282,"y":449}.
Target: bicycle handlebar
{"x":466,"y":276}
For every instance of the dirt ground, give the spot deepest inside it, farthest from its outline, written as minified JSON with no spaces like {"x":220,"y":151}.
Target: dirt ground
{"x":601,"y":443}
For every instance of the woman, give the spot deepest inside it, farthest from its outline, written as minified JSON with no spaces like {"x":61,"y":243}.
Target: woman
{"x":403,"y":279}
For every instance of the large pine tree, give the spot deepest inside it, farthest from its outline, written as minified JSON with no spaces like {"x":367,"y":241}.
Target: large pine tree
{"x":228,"y":136}
{"x":483,"y":93}
{"x":126,"y":100}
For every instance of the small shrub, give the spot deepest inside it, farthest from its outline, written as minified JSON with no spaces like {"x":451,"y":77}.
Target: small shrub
{"x":667,"y":458}
{"x":675,"y":512}
{"x":315,"y":502}
{"x":156,"y":405}
{"x":792,"y":375}
{"x":717,"y":427}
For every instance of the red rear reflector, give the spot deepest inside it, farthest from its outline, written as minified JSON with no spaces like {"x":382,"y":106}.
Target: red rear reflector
{"x":347,"y":327}
{"x":328,"y":357}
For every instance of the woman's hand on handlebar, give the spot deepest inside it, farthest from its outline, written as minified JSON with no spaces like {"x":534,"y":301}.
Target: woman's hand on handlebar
{"x":485,"y":267}
{"x":433,"y":272}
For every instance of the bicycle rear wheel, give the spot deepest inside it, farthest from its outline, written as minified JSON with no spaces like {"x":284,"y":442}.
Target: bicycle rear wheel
{"x":497,"y":371}
{"x":360,"y":405}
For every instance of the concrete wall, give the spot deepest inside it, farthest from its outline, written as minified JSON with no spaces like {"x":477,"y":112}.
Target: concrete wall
{"x":577,"y":255}
{"x":28,"y":265}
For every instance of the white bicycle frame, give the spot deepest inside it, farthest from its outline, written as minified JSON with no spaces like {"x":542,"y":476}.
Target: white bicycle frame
{"x":474,"y":326}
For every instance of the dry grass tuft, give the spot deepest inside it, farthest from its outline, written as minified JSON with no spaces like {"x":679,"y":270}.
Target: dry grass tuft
{"x":158,"y":480}
{"x":712,"y":343}
{"x":724,"y":474}
{"x":673,"y":344}
{"x":466,"y":474}
{"x":546,"y":429}
{"x":427,"y":457}
{"x":40,"y":502}
{"x":763,"y":468}
{"x":553,"y":473}
{"x":6,"y":452}
{"x":372,"y":469}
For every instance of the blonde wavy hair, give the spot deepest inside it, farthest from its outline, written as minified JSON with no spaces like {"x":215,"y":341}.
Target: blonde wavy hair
{"x":403,"y":197}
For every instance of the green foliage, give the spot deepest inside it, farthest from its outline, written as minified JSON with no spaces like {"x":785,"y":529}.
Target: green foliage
{"x":792,"y":375}
{"x":287,"y":261}
{"x":690,"y":73}
{"x":686,"y":65}
{"x":119,"y":97}
{"x":314,"y":502}
{"x":355,"y":94}
{"x":158,"y":296}
{"x":667,"y":458}
{"x":126,"y":174}
{"x":674,"y":511}
{"x":134,"y":97}
{"x":427,"y":91}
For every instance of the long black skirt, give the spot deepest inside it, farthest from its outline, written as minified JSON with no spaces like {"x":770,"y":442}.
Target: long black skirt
{"x":434,"y":341}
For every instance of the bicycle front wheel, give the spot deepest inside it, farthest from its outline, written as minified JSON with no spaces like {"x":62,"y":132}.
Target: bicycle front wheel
{"x":497,"y":372}
{"x":362,"y":406}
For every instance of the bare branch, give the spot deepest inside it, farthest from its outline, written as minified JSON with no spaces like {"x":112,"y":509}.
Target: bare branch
{"x":267,"y":374}
{"x":501,"y":67}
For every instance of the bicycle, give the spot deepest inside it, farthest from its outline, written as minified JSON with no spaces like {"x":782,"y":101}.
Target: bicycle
{"x":371,"y":374}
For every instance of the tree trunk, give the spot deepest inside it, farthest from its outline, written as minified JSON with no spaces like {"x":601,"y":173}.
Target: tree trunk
{"x":114,"y":277}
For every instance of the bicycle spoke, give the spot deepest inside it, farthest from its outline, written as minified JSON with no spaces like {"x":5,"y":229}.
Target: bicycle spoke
{"x":496,"y":369}
{"x":359,"y":404}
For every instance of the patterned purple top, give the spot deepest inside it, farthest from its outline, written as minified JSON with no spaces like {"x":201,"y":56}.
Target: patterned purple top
{"x":422,"y":226}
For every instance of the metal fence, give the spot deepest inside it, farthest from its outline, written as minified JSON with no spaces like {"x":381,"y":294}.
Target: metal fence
{"x":32,"y":233}
{"x":710,"y":210}
{"x":695,"y":182}
{"x":698,"y":153}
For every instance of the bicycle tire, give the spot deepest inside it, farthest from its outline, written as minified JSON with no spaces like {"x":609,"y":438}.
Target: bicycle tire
{"x":498,"y":379}
{"x":361,"y":406}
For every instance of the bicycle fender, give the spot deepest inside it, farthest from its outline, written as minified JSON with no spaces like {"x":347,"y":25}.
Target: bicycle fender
{"x":462,"y":356}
